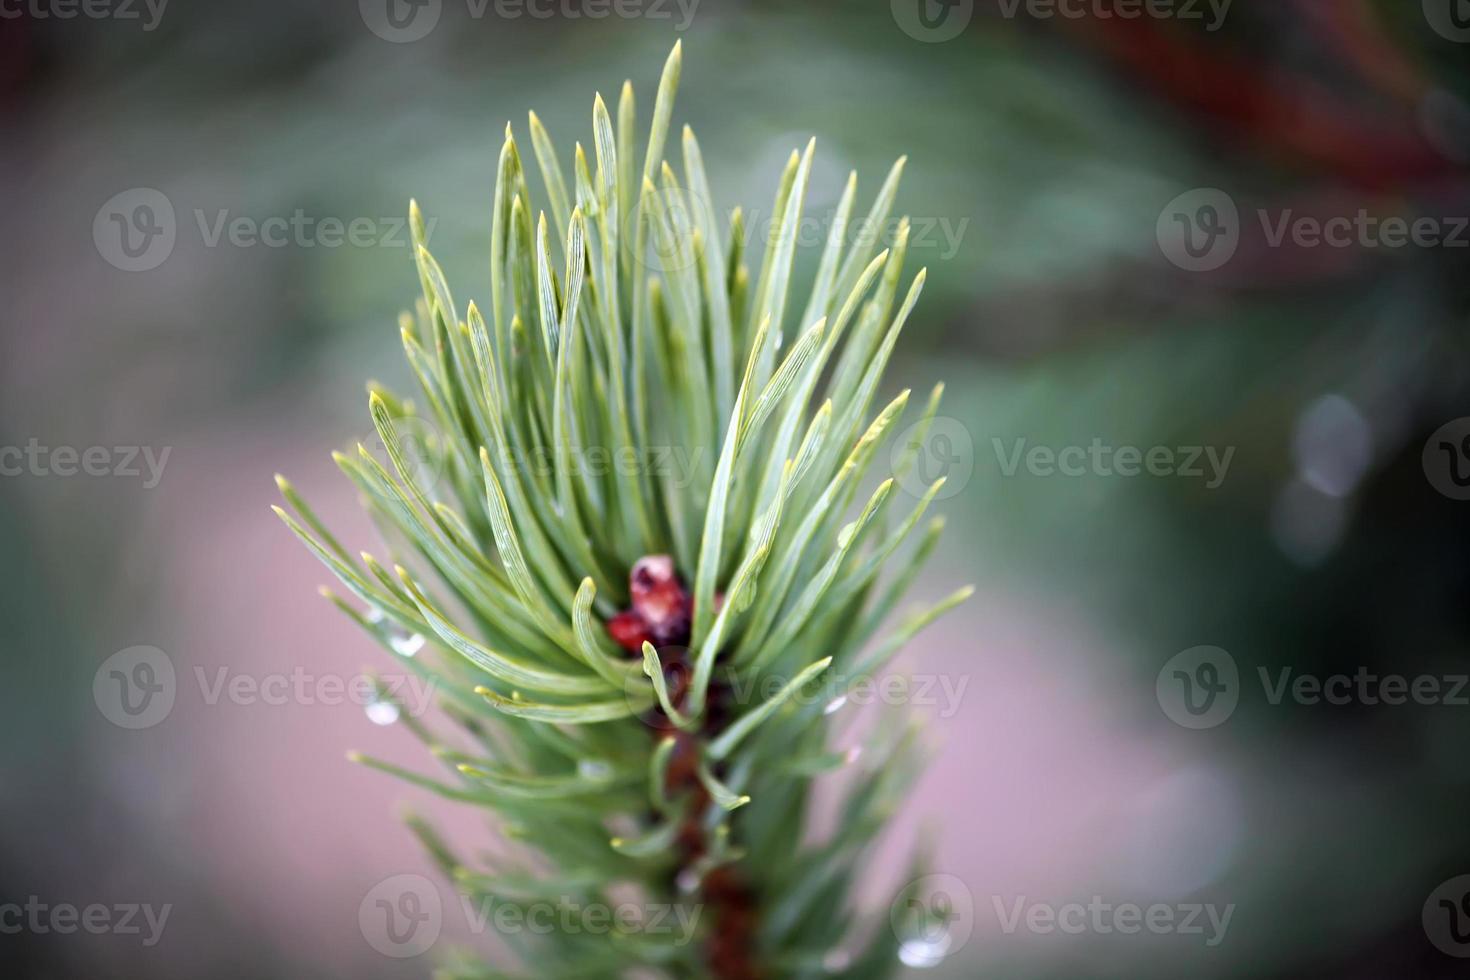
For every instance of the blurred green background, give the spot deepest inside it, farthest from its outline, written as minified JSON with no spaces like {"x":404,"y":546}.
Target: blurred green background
{"x":1047,"y":156}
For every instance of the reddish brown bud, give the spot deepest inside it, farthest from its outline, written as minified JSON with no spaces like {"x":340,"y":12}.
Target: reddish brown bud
{"x":661,"y":599}
{"x":629,"y":631}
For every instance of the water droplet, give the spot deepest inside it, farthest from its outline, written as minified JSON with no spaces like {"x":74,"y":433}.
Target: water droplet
{"x":594,"y":769}
{"x":1307,"y":524}
{"x":1442,"y":118}
{"x":1333,"y":446}
{"x":407,"y":646}
{"x":688,"y":881}
{"x":835,"y":705}
{"x":382,"y":712}
{"x":1184,"y":832}
{"x":375,"y":615}
{"x":923,"y":953}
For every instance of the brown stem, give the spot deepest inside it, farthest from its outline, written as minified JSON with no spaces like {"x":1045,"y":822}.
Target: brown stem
{"x":731,"y":902}
{"x":661,"y":614}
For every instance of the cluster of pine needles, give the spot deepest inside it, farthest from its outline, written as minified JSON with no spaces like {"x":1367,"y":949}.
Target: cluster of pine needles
{"x":515,"y":498}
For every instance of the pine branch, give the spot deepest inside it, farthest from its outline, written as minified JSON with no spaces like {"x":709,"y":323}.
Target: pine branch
{"x":620,"y":538}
